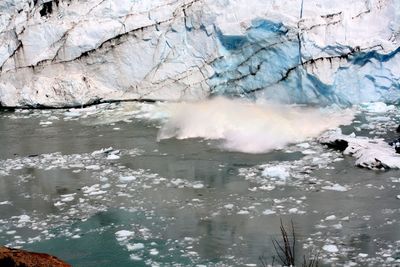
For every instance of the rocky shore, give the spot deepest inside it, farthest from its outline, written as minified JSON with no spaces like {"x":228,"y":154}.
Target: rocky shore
{"x":20,"y":258}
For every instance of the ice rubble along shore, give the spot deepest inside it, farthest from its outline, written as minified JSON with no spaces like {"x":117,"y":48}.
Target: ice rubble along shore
{"x":62,"y":53}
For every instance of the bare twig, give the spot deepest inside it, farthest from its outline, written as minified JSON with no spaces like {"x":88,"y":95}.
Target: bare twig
{"x":285,"y":250}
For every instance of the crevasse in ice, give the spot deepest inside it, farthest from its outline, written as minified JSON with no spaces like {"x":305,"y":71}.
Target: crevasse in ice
{"x":69,"y":53}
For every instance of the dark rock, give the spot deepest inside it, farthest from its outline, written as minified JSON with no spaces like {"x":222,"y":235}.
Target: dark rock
{"x":47,"y":9}
{"x":20,"y":258}
{"x":398,"y":129}
{"x":396,"y":145}
{"x":339,"y":144}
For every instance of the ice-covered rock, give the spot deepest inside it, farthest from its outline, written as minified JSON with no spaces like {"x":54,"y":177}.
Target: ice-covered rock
{"x":369,"y":153}
{"x":71,"y":53}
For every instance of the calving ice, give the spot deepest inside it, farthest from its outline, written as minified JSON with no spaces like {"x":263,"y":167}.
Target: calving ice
{"x":249,"y":127}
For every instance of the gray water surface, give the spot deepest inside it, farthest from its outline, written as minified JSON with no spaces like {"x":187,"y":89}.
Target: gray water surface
{"x":184,"y":202}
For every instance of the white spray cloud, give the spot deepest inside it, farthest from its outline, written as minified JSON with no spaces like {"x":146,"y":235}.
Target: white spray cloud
{"x":248,"y":127}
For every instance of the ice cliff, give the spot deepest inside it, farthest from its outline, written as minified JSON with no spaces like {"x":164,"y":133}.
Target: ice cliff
{"x":71,"y":53}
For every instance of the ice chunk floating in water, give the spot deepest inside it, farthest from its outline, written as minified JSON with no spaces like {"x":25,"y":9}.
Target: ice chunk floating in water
{"x":248,"y":127}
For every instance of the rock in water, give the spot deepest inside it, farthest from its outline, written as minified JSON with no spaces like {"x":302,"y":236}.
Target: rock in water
{"x":20,"y":258}
{"x":338,"y":144}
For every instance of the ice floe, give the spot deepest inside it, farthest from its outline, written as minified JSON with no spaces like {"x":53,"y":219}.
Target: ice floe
{"x":123,"y":235}
{"x":369,"y":153}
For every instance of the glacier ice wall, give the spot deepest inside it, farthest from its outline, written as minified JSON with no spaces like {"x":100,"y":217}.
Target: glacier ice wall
{"x":71,"y":53}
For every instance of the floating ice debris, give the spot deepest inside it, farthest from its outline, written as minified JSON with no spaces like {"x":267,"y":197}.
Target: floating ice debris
{"x":330,"y":218}
{"x":266,"y":187}
{"x":229,"y":206}
{"x":124,"y":235}
{"x":243,"y":212}
{"x":127,"y":179}
{"x":133,"y":247}
{"x":58,"y":204}
{"x":102,"y":151}
{"x":72,"y":113}
{"x":78,"y":166}
{"x":113,"y":157}
{"x":335,"y":187}
{"x":308,"y":152}
{"x":68,"y":197}
{"x":330,"y":248}
{"x":280,"y":172}
{"x":337,"y":226}
{"x":154,"y":252}
{"x":268,"y":212}
{"x":304,"y":145}
{"x":93,"y":190}
{"x":135,"y":257}
{"x":376,"y":107}
{"x":198,"y":186}
{"x":5,"y":203}
{"x":395,"y":180}
{"x":93,"y":167}
{"x":24,"y":218}
{"x":293,"y":210}
{"x":369,"y":153}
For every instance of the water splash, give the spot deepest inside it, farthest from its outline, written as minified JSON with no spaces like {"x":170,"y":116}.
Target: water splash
{"x":248,"y":127}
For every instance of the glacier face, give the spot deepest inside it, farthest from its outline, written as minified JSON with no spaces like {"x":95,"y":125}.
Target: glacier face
{"x":70,"y":53}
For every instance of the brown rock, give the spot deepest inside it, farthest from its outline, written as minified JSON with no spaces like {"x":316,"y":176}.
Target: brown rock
{"x":20,"y":258}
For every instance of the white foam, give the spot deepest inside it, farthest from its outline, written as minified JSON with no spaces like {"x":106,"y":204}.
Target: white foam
{"x":248,"y":127}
